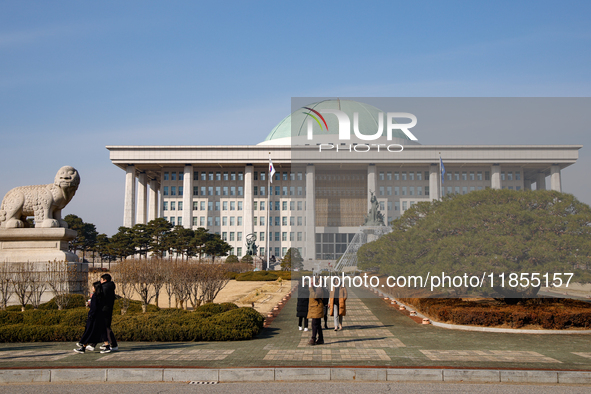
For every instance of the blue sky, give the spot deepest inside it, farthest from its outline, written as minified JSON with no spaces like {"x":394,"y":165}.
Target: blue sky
{"x":77,"y":76}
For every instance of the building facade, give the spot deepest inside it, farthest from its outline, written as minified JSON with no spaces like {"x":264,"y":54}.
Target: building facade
{"x":320,"y":193}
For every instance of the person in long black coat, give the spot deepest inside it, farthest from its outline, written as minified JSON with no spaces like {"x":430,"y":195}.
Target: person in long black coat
{"x":95,"y":330}
{"x":302,"y":307}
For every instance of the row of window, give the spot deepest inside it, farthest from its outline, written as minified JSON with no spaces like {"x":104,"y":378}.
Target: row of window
{"x":233,"y":205}
{"x":279,"y":190}
{"x":279,"y":221}
{"x":277,"y":236}
{"x":403,"y":176}
{"x":218,"y":176}
{"x":286,"y":176}
{"x":387,"y":191}
{"x":215,"y":191}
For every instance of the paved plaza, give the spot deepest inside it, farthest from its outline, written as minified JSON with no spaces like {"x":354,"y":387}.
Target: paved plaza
{"x":374,"y":334}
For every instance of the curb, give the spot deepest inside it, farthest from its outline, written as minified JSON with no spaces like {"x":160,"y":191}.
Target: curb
{"x":286,"y":374}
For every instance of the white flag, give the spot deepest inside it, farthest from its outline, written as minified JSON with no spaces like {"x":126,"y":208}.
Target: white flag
{"x":271,"y":170}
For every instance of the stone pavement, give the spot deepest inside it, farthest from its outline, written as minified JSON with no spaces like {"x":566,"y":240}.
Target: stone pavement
{"x":374,"y":335}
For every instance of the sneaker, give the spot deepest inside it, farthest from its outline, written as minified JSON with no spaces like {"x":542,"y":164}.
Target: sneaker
{"x":103,"y":347}
{"x":79,"y":344}
{"x":106,"y":350}
{"x":114,"y":349}
{"x":300,"y":328}
{"x":90,"y":348}
{"x":306,"y":329}
{"x":80,"y":350}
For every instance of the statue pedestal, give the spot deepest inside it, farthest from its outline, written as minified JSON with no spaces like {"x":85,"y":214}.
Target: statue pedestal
{"x":36,"y":245}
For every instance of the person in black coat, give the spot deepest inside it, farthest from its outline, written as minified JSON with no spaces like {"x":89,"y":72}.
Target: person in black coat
{"x":95,"y":330}
{"x":109,"y":291}
{"x":302,"y":307}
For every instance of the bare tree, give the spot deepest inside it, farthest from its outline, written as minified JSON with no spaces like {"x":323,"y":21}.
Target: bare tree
{"x":5,"y":284}
{"x":124,"y":277}
{"x":143,"y":278}
{"x":159,"y":268}
{"x":213,"y":280}
{"x":37,"y":286}
{"x":22,"y":273}
{"x":168,"y":272}
{"x":59,"y":277}
{"x":182,"y":280}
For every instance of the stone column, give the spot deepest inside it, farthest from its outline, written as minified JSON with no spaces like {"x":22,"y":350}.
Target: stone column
{"x":310,"y":234}
{"x":153,"y":200}
{"x":129,"y":205}
{"x":188,"y":196}
{"x":495,"y":176}
{"x":372,"y":184}
{"x":540,"y":181}
{"x":248,"y":200}
{"x":142,"y":197}
{"x":527,"y":184}
{"x":555,"y":181}
{"x":434,"y":182}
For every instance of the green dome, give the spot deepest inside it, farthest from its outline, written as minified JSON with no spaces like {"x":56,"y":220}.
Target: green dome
{"x":295,"y":124}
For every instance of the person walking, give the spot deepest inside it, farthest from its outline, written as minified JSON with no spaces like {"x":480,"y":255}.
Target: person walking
{"x":95,"y":323}
{"x":302,"y":307}
{"x":110,"y":343}
{"x":316,"y":313}
{"x":325,"y":297}
{"x":337,"y":306}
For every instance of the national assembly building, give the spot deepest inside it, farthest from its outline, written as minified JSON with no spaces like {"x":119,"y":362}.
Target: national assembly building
{"x":324,"y":182}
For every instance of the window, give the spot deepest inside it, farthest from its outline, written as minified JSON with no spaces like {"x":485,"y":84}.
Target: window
{"x":240,"y":190}
{"x":300,"y":177}
{"x":277,"y":176}
{"x":449,"y":190}
{"x":517,"y":176}
{"x":292,"y":205}
{"x":255,"y":220}
{"x":411,"y":176}
{"x":233,"y":190}
{"x":396,"y":176}
{"x":381,"y":176}
{"x":487,"y":175}
{"x":299,"y":205}
{"x":225,"y":176}
{"x":471,"y":175}
{"x":232,"y":205}
{"x":517,"y":187}
{"x":382,"y":207}
{"x":404,"y":205}
{"x":210,"y":176}
{"x":284,"y":221}
{"x":299,"y":190}
{"x":203,"y":205}
{"x":210,"y":191}
{"x":404,"y":190}
{"x":239,"y":220}
{"x":381,"y":190}
{"x":210,"y":205}
{"x":263,"y":175}
{"x":202,"y":221}
{"x":292,"y":190}
{"x":419,"y":191}
{"x":172,"y":220}
{"x":180,"y":205}
{"x":457,"y":190}
{"x":292,"y":220}
{"x":411,"y":191}
{"x":165,"y":206}
{"x":218,"y":176}
{"x":426,"y":190}
{"x":256,"y":176}
{"x":217,"y":220}
{"x":239,"y":236}
{"x":277,"y":218}
{"x":224,"y":236}
{"x":284,"y":236}
{"x":232,"y":176}
{"x":203,"y":193}
{"x":203,"y":176}
{"x":277,"y":236}
{"x":262,"y":236}
{"x":299,"y":220}
{"x":419,"y":176}
{"x":240,"y":176}
{"x":277,"y":190}
{"x":479,"y":175}
{"x":239,"y":251}
{"x":217,"y":190}
{"x":464,"y":189}
{"x":256,"y":191}
{"x":299,"y":236}
{"x":396,"y":206}
{"x":224,"y":205}
{"x":232,"y":222}
{"x":224,"y":220}
{"x":426,"y":175}
{"x":181,"y":176}
{"x":396,"y":190}
{"x":472,"y":188}
{"x":510,"y":176}
{"x":457,"y":175}
{"x":225,"y":191}
{"x":276,"y":205}
{"x":502,"y":176}
{"x":195,"y":190}
{"x":195,"y":205}
{"x":262,"y":205}
{"x":165,"y":178}
{"x":173,"y":176}
{"x":389,"y":206}
{"x":464,"y":176}
{"x":217,"y":205}
{"x":449,"y":176}
{"x":284,"y":205}
{"x":165,"y":190}
{"x":172,"y":206}
{"x":404,"y":176}
{"x":262,"y":220}
{"x":195,"y":221}
{"x":262,"y":190}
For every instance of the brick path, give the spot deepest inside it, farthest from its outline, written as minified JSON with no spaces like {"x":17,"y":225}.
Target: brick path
{"x":374,"y":335}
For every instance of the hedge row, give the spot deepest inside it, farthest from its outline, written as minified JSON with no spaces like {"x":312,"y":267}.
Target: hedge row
{"x":547,"y":313}
{"x":209,"y":322}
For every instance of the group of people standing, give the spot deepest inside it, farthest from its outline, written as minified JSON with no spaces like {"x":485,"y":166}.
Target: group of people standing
{"x":100,"y":314}
{"x":316,"y":303}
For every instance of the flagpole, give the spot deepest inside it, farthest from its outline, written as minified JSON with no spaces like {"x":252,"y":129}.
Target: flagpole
{"x":267,"y":254}
{"x":440,"y":180}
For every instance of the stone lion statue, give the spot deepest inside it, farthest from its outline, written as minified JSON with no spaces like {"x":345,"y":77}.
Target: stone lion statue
{"x":44,"y":202}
